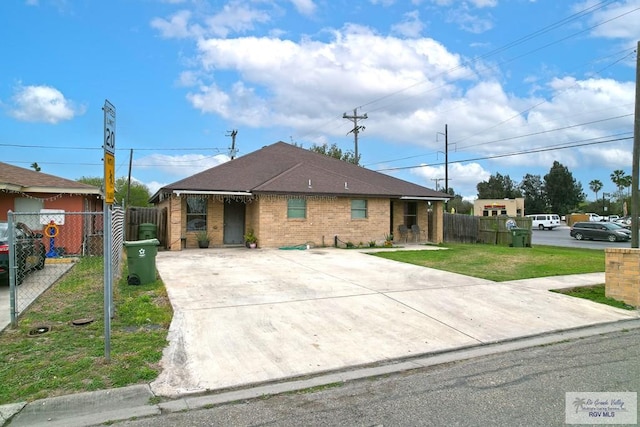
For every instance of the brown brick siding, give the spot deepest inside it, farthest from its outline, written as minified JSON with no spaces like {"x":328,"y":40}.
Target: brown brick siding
{"x":622,"y":275}
{"x":326,"y":218}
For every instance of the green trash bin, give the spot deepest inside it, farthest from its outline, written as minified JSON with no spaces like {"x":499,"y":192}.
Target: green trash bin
{"x":147,"y":231}
{"x":141,"y":259}
{"x":520,"y":237}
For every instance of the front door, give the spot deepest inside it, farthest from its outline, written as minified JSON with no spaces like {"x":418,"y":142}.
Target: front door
{"x":233,"y":222}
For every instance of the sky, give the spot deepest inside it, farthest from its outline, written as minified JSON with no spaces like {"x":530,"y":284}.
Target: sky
{"x":475,"y":87}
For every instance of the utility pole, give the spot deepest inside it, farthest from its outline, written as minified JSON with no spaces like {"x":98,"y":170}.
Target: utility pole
{"x":356,"y":129}
{"x":129,"y":178}
{"x":446,"y":159}
{"x":636,"y":158}
{"x":437,"y":180}
{"x":232,"y":150}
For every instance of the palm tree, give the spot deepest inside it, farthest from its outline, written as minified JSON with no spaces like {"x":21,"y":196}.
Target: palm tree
{"x":595,"y":186}
{"x":626,"y":183}
{"x":618,"y":177}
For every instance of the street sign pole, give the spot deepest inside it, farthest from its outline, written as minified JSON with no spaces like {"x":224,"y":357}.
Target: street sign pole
{"x":109,"y":145}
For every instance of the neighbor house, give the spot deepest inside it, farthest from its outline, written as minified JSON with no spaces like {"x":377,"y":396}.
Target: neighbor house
{"x":28,"y":191}
{"x":290,"y":196}
{"x":495,"y":207}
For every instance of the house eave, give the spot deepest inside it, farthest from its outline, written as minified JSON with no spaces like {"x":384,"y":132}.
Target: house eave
{"x":49,"y":190}
{"x":212,"y":193}
{"x":427,"y":199}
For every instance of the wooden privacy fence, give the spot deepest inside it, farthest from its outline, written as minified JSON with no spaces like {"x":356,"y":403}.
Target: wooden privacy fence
{"x":138,"y":215}
{"x":481,"y":229}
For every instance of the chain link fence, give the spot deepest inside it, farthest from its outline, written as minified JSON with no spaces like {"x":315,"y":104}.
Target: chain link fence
{"x":43,"y":247}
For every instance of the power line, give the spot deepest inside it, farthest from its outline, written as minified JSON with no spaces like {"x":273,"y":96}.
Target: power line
{"x":497,"y":156}
{"x":505,"y":139}
{"x":553,"y":26}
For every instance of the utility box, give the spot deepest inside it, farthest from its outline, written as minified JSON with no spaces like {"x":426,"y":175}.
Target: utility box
{"x":141,"y":259}
{"x":147,"y":231}
{"x":520,"y":238}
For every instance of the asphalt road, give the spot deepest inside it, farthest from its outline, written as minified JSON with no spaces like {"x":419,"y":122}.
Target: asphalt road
{"x":518,"y":388}
{"x":560,"y":237}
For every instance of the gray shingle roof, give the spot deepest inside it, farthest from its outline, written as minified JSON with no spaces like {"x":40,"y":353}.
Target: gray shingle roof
{"x":282,"y":168}
{"x":20,"y":179}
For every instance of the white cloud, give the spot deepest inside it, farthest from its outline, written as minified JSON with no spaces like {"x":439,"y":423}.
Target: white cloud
{"x":177,"y":26}
{"x":304,"y":7}
{"x":42,"y":104}
{"x":476,"y":3}
{"x":306,"y":81}
{"x":616,"y":19}
{"x":463,"y":178}
{"x":411,"y":25}
{"x":179,"y":166}
{"x":235,"y":18}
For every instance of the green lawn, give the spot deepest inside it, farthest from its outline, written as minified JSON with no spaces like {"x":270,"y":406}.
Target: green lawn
{"x":71,"y":359}
{"x":502,"y":263}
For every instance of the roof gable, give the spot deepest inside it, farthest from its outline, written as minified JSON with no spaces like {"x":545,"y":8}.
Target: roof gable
{"x":15,"y":178}
{"x":284,"y":168}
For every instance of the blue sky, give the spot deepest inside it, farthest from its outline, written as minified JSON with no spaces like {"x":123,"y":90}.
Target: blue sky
{"x":518,"y":84}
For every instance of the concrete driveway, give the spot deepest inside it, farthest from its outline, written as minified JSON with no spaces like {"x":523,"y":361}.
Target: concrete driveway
{"x":243,"y":317}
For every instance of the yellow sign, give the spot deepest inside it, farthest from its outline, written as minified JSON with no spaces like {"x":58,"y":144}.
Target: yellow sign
{"x":109,"y":178}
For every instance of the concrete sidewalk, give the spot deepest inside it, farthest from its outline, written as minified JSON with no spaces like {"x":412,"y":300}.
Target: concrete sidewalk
{"x":253,"y":322}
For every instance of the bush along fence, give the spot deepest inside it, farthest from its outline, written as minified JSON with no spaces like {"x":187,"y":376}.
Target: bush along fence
{"x":45,"y":246}
{"x":494,"y":230}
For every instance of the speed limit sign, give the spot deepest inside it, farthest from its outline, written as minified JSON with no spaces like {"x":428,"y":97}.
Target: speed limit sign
{"x":109,"y":127}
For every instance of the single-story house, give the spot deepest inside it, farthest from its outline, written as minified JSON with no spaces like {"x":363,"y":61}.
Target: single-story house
{"x":291,"y":196}
{"x":495,"y":207}
{"x":29,"y":191}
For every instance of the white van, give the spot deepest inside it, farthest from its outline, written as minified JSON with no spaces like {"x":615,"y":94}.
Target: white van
{"x":544,"y":221}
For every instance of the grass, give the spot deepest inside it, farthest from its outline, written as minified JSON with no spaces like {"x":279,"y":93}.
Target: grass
{"x":502,"y":263}
{"x":595,"y":293}
{"x":71,"y":359}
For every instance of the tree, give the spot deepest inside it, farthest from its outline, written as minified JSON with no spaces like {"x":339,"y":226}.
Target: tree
{"x":563,"y":192}
{"x":498,"y":187}
{"x":535,"y":199}
{"x":595,"y":186}
{"x":621,"y":181}
{"x":458,"y":204}
{"x":139,"y":193}
{"x":335,"y":152}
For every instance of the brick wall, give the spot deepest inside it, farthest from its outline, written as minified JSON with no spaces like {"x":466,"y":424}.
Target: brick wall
{"x":622,"y":275}
{"x":326,"y":218}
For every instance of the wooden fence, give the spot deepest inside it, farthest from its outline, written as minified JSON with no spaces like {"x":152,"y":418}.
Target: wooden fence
{"x":139,"y":215}
{"x":481,"y":229}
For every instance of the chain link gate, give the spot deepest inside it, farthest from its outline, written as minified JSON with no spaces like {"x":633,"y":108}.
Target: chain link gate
{"x":43,"y":247}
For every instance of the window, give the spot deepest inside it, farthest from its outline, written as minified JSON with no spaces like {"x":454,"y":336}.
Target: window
{"x":196,"y":213}
{"x":410,"y":213}
{"x":296,"y":208}
{"x":358,"y":209}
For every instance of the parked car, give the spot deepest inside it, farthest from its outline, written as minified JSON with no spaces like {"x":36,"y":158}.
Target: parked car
{"x":613,"y":218}
{"x":625,"y":221}
{"x":30,"y":251}
{"x":599,"y":231}
{"x":544,"y":221}
{"x":594,"y":217}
